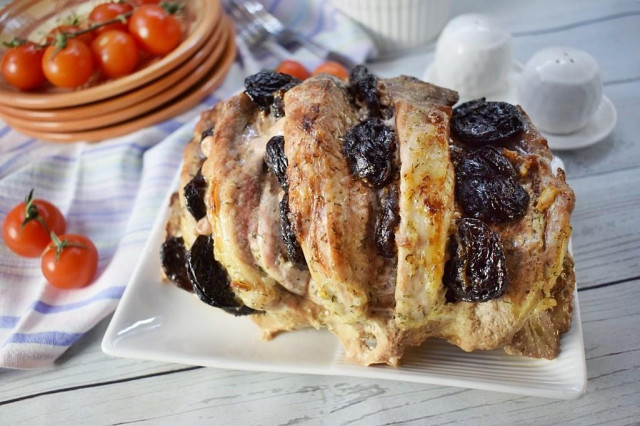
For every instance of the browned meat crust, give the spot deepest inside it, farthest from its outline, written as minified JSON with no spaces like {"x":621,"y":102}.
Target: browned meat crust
{"x":377,"y":306}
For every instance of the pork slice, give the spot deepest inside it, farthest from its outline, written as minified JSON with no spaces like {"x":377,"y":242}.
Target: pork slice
{"x":191,"y":163}
{"x":267,"y":245}
{"x":331,"y":211}
{"x":235,"y":173}
{"x":415,"y":92}
{"x":535,"y":248}
{"x":426,"y":207}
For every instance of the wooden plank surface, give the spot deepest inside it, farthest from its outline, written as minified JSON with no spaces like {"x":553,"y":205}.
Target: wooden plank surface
{"x":606,"y":236}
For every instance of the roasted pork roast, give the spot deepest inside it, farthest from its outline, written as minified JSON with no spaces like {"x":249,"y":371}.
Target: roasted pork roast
{"x":372,"y":208}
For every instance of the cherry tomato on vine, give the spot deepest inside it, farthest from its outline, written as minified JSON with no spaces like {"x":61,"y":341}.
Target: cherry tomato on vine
{"x":86,"y":38}
{"x":70,"y":261}
{"x":155,"y":29}
{"x":332,"y":68}
{"x":68,"y":67}
{"x":115,"y":52}
{"x":294,"y":69}
{"x":22,"y":67}
{"x":106,"y":11}
{"x":30,"y":238}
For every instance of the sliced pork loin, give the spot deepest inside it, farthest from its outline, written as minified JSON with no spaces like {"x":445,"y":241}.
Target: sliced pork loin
{"x":315,"y":238}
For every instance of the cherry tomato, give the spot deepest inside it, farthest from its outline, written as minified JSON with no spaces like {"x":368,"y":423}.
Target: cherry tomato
{"x":70,"y":261}
{"x":294,"y":69}
{"x":141,"y":2}
{"x":86,"y":38}
{"x":115,"y":52}
{"x":31,"y":239}
{"x":155,"y":29}
{"x":68,"y":67}
{"x":332,"y":68}
{"x":21,"y":67}
{"x":107,"y":11}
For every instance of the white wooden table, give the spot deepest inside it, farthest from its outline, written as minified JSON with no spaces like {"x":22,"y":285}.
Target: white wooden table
{"x":88,"y":387}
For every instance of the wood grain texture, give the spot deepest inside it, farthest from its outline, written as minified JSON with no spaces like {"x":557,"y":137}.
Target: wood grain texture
{"x":82,"y":364}
{"x":606,"y":236}
{"x":234,"y":397}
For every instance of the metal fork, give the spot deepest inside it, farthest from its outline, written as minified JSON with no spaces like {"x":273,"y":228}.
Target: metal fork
{"x":262,"y":25}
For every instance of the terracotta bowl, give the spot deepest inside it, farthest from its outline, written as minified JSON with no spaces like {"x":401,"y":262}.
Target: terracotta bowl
{"x":130,"y":104}
{"x":33,"y":19}
{"x":170,"y":109}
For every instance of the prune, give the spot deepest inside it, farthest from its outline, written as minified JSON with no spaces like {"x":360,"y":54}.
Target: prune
{"x":487,"y":187}
{"x":369,"y":148}
{"x":476,"y":270}
{"x":479,"y":122}
{"x":266,"y":90}
{"x":209,"y":278}
{"x":277,"y":107}
{"x":363,"y":87}
{"x":276,"y":160}
{"x":294,"y":251}
{"x":174,"y":262}
{"x":387,"y":221}
{"x":207,"y":132}
{"x":194,"y":196}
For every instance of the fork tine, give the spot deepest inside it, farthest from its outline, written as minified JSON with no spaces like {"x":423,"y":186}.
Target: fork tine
{"x":255,"y":12}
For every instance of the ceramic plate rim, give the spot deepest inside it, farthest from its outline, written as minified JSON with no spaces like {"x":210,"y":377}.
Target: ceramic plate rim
{"x":195,"y":93}
{"x":109,"y":89}
{"x":213,"y":50}
{"x":584,"y":138}
{"x":113,"y":344}
{"x":125,"y":100}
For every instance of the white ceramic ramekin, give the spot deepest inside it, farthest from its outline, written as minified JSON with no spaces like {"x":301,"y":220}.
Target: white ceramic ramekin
{"x":398,"y":25}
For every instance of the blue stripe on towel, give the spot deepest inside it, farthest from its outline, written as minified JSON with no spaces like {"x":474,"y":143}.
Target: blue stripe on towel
{"x":108,"y":293}
{"x":169,"y":126}
{"x":4,"y":131}
{"x":52,"y":338}
{"x":17,"y":155}
{"x":8,"y":322}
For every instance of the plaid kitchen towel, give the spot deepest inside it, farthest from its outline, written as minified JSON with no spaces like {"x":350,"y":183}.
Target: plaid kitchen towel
{"x":111,"y":191}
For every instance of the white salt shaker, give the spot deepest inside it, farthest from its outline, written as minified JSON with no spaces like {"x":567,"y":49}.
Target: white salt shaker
{"x":473,"y":55}
{"x":560,"y":89}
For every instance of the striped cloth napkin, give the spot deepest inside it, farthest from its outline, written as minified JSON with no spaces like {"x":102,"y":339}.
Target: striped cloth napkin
{"x":111,"y":191}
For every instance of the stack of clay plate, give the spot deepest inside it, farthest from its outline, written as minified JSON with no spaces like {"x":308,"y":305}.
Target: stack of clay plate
{"x":159,"y":90}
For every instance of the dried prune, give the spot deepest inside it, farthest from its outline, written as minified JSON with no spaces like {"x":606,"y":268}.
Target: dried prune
{"x":209,"y":278}
{"x":266,"y":90}
{"x":476,"y":270}
{"x":276,"y":160}
{"x":487,"y":186}
{"x":194,"y":196}
{"x":174,"y":262}
{"x":294,"y":251}
{"x":369,"y":148}
{"x":207,"y":132}
{"x":387,"y":221}
{"x":277,"y":107}
{"x":363,"y":88}
{"x":479,"y":122}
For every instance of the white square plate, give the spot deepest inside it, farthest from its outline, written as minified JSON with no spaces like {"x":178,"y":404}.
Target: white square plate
{"x":158,"y":321}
